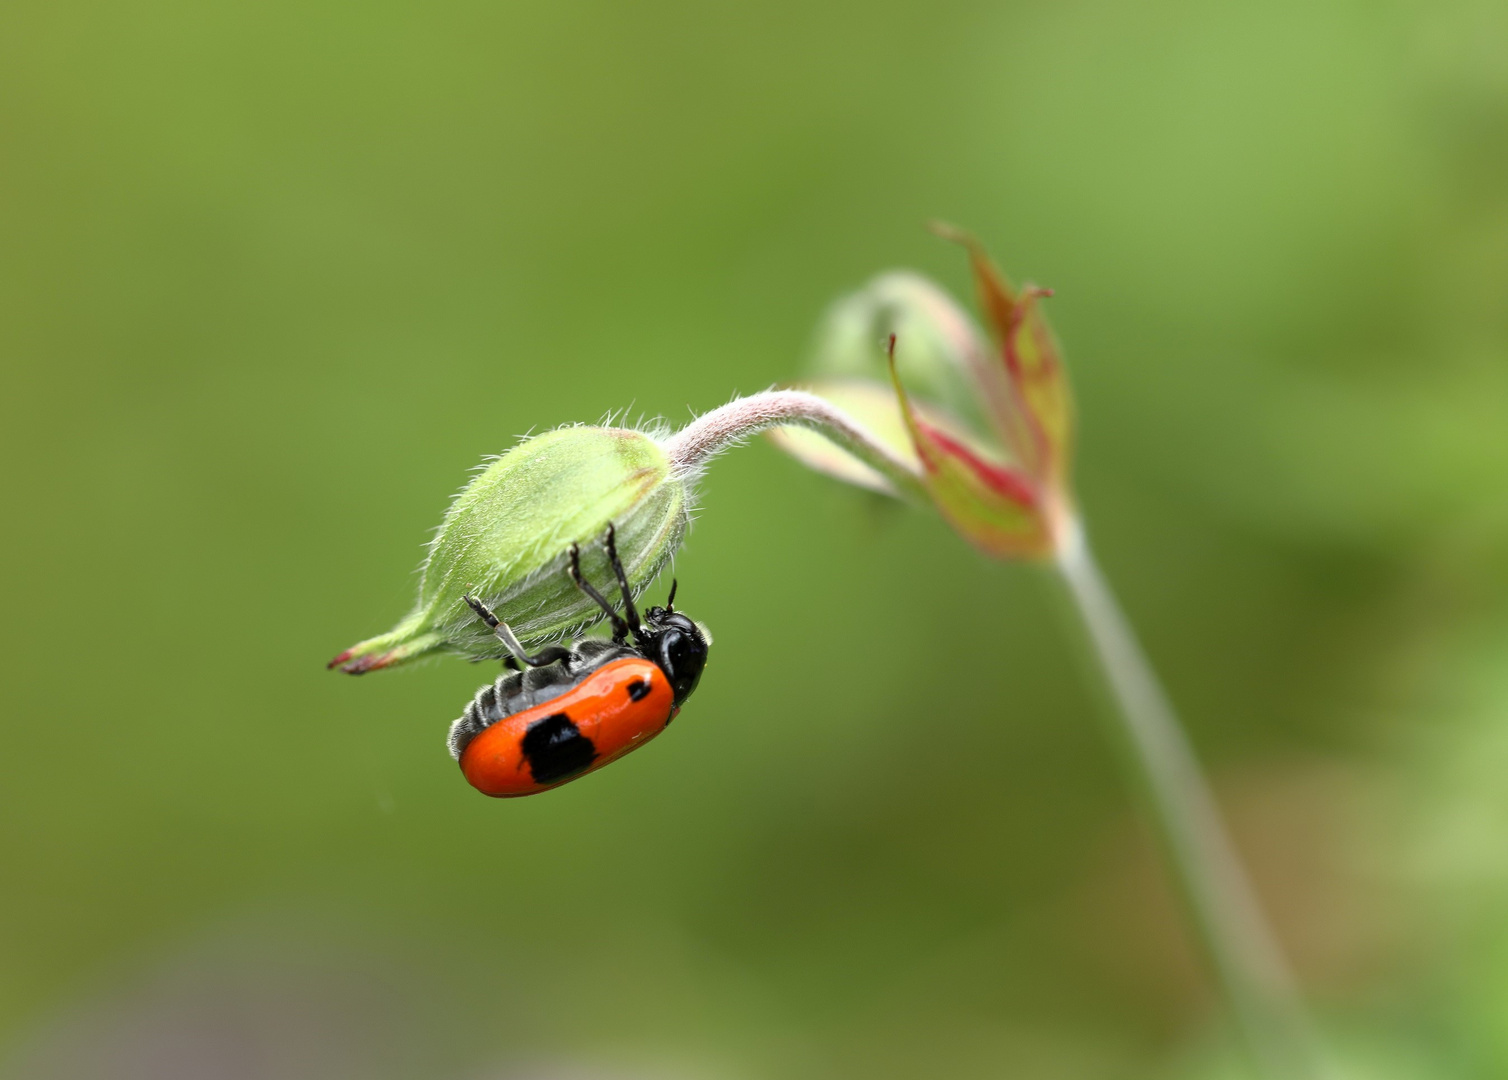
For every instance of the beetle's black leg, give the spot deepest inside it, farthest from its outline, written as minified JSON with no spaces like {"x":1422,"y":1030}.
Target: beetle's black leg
{"x":548,"y":655}
{"x":610,"y":541}
{"x":620,"y":628}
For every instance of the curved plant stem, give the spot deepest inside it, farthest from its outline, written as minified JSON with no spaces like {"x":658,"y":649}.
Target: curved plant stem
{"x":711,"y":433}
{"x":1246,"y":958}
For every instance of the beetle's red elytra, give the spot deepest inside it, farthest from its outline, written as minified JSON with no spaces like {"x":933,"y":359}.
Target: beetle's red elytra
{"x":572,"y":710}
{"x":615,"y":709}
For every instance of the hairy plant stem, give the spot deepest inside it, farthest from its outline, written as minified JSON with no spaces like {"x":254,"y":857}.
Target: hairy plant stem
{"x":711,"y":433}
{"x":1246,"y":958}
{"x":1228,"y":920}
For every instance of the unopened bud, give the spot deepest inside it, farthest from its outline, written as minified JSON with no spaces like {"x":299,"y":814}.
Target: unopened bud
{"x":989,"y":426}
{"x":943,"y":349}
{"x":505,"y":541}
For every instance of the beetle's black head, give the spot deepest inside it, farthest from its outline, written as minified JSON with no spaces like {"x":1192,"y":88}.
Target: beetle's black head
{"x":678,"y":645}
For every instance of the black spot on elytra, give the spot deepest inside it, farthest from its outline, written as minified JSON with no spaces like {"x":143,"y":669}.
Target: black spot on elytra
{"x":555,"y":749}
{"x":639,"y":690}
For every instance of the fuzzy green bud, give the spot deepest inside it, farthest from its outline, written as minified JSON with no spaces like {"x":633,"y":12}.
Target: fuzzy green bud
{"x":506,"y":537}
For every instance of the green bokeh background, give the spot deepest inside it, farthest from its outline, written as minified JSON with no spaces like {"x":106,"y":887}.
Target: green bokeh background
{"x":274,"y":276}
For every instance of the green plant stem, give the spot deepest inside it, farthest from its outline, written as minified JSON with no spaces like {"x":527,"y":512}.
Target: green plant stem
{"x":1247,"y":961}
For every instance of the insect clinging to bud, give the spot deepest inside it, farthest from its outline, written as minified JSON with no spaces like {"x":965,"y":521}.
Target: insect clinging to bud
{"x":571,"y":710}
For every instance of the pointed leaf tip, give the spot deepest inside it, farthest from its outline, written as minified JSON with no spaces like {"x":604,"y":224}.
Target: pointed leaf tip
{"x":1034,"y":418}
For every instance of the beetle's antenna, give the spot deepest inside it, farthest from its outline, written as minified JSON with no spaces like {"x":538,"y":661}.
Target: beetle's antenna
{"x":620,"y":628}
{"x":670,"y":600}
{"x":505,"y":634}
{"x":610,"y":541}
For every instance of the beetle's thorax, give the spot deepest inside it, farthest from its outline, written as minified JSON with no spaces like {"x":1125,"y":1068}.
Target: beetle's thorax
{"x":677,"y":645}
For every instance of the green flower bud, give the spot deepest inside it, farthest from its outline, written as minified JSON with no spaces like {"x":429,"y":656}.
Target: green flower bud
{"x":505,"y":538}
{"x":989,"y":427}
{"x":942,"y":347}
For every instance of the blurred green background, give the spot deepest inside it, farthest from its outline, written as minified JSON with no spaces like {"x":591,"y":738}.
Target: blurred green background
{"x":274,"y":277}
